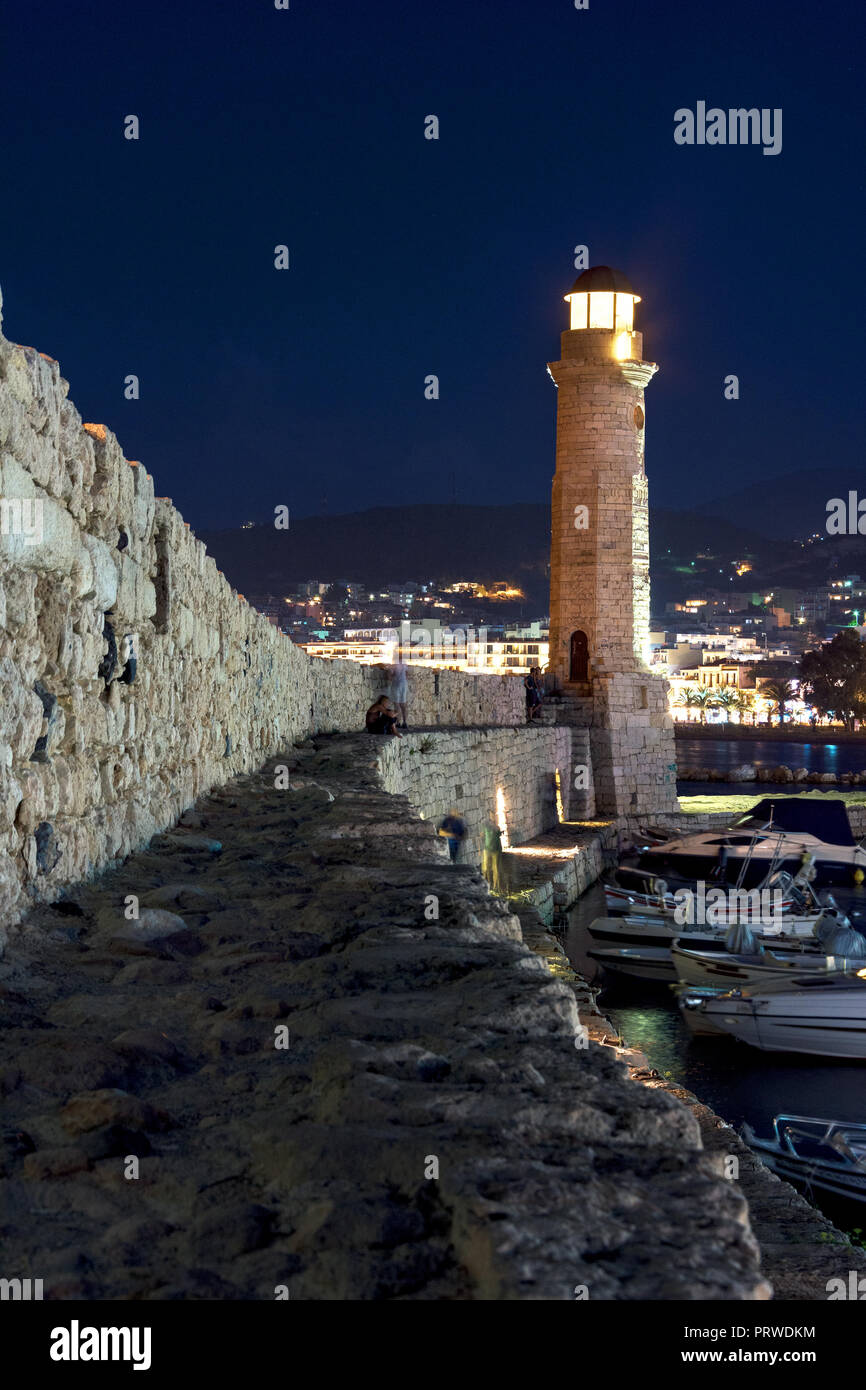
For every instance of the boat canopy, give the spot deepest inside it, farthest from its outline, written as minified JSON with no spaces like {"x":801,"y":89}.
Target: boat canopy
{"x":826,"y":820}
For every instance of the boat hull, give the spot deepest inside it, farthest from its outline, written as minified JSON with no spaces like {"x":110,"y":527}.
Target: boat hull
{"x":820,"y":1154}
{"x":662,"y":931}
{"x":637,"y":962}
{"x":819,"y":1021}
{"x":722,"y":971}
{"x":823,"y":1176}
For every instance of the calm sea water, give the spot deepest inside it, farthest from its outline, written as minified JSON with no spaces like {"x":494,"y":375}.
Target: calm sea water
{"x":738,"y":1082}
{"x":722,"y":754}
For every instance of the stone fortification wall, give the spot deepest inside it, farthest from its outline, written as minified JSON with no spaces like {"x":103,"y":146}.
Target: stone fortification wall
{"x":466,"y":771}
{"x":93,"y":762}
{"x":415,"y":1037}
{"x":633,"y":750}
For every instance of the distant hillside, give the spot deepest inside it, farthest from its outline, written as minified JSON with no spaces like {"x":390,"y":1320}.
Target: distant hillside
{"x":686,"y":533}
{"x":390,"y":543}
{"x":790,"y":505}
{"x":451,"y":542}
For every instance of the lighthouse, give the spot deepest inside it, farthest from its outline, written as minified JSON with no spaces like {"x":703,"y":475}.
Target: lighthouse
{"x":599,"y":565}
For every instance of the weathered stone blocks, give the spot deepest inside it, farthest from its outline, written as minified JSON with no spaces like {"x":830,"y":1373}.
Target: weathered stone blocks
{"x":217,"y":688}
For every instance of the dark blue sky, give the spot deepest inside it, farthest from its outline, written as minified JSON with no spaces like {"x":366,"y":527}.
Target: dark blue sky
{"x":410,"y":256}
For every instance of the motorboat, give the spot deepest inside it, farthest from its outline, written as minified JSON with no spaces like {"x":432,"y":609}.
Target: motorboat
{"x":823,"y":1015}
{"x":633,"y":929}
{"x":717,"y":970}
{"x":777,"y":830}
{"x":723,"y":970}
{"x":827,"y":1155}
{"x":637,"y":962}
{"x":740,"y":955}
{"x":632,"y":890}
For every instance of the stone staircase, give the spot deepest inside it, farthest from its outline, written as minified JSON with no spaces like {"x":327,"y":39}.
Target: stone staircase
{"x":567,"y":708}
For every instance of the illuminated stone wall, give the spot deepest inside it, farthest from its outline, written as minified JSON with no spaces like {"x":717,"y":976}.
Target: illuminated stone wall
{"x":92,"y":762}
{"x":507,"y":774}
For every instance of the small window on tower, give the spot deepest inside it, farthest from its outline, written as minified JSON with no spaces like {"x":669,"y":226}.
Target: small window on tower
{"x":638,"y":417}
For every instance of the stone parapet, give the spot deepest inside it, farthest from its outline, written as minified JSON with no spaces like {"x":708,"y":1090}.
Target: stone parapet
{"x":99,"y":751}
{"x":506,"y":774}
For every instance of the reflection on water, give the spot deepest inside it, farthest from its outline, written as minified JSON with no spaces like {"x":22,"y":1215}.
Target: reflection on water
{"x":738,"y":1082}
{"x":723,"y":753}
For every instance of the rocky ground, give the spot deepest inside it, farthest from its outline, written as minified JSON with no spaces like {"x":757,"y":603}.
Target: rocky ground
{"x":431,"y":1130}
{"x":780,"y":775}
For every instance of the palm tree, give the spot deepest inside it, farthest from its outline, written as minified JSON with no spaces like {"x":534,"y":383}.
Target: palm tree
{"x":746,"y":705}
{"x":697,"y":697}
{"x":686,"y":699}
{"x":705,"y":699}
{"x":728,"y":699}
{"x":781,"y":692}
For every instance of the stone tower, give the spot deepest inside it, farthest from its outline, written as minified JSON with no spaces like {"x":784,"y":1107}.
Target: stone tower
{"x":599,"y":568}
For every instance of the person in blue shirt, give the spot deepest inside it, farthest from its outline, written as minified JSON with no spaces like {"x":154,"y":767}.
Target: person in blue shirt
{"x":454,"y":831}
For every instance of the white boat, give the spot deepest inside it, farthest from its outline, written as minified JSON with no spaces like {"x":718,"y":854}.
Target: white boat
{"x":827,"y":1155}
{"x":638,"y":962}
{"x":780,"y":893}
{"x":621,"y":894}
{"x":715,"y":970}
{"x":722,"y":970}
{"x":777,"y":830}
{"x":638,"y":892}
{"x":823,"y":1016}
{"x":637,"y":930}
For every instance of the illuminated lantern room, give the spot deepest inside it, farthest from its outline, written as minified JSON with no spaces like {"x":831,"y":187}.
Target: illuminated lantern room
{"x":603,"y":298}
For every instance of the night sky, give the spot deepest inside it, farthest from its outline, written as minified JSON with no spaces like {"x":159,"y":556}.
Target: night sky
{"x":306,"y":127}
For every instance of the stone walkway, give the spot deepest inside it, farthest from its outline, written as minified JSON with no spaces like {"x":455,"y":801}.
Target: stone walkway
{"x":418,"y":1044}
{"x":553,"y":870}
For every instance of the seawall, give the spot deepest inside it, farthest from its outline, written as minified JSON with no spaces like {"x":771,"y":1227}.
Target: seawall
{"x":437,"y":1124}
{"x":520,"y":778}
{"x":93,"y":763}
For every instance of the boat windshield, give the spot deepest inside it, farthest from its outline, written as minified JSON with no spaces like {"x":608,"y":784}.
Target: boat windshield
{"x":751,"y":821}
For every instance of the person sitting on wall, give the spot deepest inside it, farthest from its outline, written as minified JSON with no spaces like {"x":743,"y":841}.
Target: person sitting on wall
{"x":453,"y":828}
{"x":382,"y":718}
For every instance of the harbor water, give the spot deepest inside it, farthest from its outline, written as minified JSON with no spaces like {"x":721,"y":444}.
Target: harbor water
{"x":738,"y":1082}
{"x":723,"y":754}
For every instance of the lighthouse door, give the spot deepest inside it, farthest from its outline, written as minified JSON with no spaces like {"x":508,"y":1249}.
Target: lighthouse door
{"x":579,"y":665}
